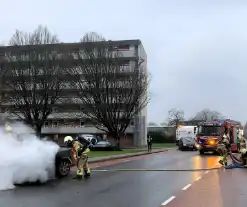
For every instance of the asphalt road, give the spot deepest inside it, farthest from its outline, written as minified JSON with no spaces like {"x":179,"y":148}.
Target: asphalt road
{"x":222,"y":188}
{"x":121,"y":189}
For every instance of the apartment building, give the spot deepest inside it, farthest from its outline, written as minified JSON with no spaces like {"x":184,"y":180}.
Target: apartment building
{"x":68,"y":119}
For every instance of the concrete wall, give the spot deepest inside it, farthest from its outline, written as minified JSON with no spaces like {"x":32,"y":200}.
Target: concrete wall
{"x":142,"y":54}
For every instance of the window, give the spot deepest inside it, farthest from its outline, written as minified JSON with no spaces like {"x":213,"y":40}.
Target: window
{"x":54,"y":109}
{"x":46,"y":124}
{"x":8,"y":110}
{"x":72,"y":124}
{"x":125,"y":63}
{"x":124,"y":66}
{"x":123,"y":47}
{"x":81,"y":108}
{"x":66,"y":123}
{"x":210,"y":130}
{"x":82,"y":123}
{"x":54,"y":123}
{"x":131,"y":123}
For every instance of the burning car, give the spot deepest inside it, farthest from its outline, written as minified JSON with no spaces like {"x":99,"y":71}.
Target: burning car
{"x":63,"y":162}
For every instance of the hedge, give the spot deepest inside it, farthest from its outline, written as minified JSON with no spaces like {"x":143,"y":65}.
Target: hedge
{"x":160,"y":137}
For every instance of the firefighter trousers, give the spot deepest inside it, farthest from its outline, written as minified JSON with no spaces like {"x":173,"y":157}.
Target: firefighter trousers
{"x":82,"y":165}
{"x":223,"y":159}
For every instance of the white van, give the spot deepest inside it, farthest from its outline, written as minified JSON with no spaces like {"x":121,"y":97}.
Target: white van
{"x":186,"y":131}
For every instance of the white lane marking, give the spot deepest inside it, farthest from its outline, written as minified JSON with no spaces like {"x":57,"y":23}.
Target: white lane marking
{"x":186,"y":187}
{"x":206,"y":172}
{"x":126,"y":160}
{"x":198,"y":178}
{"x":97,"y":166}
{"x":168,"y":201}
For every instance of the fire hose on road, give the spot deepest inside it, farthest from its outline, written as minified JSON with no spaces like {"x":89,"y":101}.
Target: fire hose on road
{"x":155,"y":170}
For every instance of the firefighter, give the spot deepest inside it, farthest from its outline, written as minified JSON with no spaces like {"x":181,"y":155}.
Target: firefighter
{"x":238,"y":140}
{"x":241,"y":142}
{"x":81,"y":148}
{"x":221,"y":149}
{"x":224,"y":148}
{"x":238,"y":162}
{"x":84,"y":156}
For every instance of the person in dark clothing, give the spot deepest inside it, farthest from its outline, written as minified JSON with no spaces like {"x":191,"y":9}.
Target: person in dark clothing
{"x":149,"y":141}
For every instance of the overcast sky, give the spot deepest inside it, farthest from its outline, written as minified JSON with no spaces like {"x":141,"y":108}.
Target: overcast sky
{"x":197,"y":49}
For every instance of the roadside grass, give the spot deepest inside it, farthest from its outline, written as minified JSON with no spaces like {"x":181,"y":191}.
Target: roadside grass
{"x":111,"y":153}
{"x":163,"y":145}
{"x":129,"y":151}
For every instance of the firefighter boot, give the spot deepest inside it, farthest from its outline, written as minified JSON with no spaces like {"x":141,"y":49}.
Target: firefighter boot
{"x":87,"y":173}
{"x":225,"y":161}
{"x":78,"y":175}
{"x":221,"y":161}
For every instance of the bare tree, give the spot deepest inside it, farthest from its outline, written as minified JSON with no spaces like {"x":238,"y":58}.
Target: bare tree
{"x":2,"y":75}
{"x":32,"y":81}
{"x":110,"y":93}
{"x":217,"y":115}
{"x":208,"y":115}
{"x":205,"y":116}
{"x":152,"y":124}
{"x":175,"y":117}
{"x":163,"y":124}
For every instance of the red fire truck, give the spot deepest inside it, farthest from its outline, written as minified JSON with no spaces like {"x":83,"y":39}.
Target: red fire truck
{"x":209,"y":134}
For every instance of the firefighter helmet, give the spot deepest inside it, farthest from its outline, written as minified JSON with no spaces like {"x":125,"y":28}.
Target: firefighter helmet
{"x":68,"y":139}
{"x":243,"y":151}
{"x":8,"y":128}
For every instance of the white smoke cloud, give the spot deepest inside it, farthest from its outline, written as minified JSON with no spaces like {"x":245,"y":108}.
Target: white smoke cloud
{"x":24,"y":157}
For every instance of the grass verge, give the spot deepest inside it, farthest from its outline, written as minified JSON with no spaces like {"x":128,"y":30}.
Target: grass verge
{"x":111,"y":153}
{"x":163,"y":145}
{"x":129,"y":151}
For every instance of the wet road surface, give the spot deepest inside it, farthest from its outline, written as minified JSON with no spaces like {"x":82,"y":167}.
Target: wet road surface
{"x":222,"y":188}
{"x":122,"y":189}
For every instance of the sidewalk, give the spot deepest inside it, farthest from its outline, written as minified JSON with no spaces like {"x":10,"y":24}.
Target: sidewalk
{"x":114,"y":157}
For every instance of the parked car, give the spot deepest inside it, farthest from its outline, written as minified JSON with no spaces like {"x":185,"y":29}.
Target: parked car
{"x":90,"y":137}
{"x":187,"y":143}
{"x":103,"y":146}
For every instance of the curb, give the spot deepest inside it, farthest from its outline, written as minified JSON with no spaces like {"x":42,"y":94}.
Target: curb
{"x":126,"y":156}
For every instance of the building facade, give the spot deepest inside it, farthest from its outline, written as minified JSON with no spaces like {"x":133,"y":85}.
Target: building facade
{"x":67,"y":119}
{"x":168,"y":130}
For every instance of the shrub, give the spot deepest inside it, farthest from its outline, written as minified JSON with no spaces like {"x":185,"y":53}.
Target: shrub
{"x":160,"y":137}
